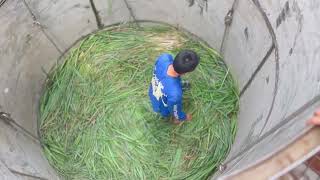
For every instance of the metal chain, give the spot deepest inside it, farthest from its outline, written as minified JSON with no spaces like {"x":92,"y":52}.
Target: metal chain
{"x":227,"y":22}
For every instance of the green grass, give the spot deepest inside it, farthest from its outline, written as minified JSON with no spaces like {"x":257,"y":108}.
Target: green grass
{"x":97,"y":122}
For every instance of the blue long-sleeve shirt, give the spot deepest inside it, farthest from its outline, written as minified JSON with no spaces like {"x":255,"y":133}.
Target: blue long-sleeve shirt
{"x":165,"y":92}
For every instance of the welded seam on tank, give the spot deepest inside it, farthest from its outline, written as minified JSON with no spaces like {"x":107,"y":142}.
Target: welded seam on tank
{"x":40,"y":26}
{"x":282,"y":123}
{"x":275,"y":47}
{"x":261,"y":64}
{"x":96,"y":14}
{"x":21,"y":173}
{"x":131,"y":13}
{"x":2,"y":2}
{"x":228,"y":17}
{"x":254,"y":74}
{"x":26,"y":175}
{"x":274,"y":40}
{"x":9,"y":121}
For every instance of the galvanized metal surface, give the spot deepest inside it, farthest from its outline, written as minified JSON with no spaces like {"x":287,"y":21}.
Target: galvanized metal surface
{"x":271,"y":48}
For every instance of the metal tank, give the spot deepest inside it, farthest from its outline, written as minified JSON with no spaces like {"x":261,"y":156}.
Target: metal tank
{"x":272,"y":48}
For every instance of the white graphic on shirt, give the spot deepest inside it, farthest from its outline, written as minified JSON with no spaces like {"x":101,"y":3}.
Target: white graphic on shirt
{"x":175,"y":111}
{"x":157,"y":88}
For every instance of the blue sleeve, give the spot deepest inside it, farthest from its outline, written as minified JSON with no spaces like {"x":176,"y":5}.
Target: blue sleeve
{"x":175,"y":108}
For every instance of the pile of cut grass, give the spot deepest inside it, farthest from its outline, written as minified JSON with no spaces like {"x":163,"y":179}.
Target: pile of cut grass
{"x":96,"y":121}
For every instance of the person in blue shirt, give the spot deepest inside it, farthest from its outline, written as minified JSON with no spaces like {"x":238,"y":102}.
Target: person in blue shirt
{"x":165,"y":90}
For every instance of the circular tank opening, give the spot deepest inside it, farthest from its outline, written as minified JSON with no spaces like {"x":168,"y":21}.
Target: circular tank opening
{"x":97,"y":122}
{"x":265,"y":44}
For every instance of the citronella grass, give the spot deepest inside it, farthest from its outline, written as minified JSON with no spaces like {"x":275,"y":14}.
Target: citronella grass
{"x":97,"y":122}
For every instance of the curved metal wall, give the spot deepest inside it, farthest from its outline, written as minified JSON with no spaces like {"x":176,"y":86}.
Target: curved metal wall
{"x":271,"y":48}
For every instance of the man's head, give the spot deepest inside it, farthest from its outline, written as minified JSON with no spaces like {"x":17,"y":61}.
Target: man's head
{"x":185,"y":61}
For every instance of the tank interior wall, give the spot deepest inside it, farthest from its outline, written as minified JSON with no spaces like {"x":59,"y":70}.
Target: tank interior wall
{"x":271,"y":47}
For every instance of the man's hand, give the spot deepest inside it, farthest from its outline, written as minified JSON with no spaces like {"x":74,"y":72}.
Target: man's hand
{"x":189,"y":117}
{"x":315,"y":120}
{"x":178,"y":122}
